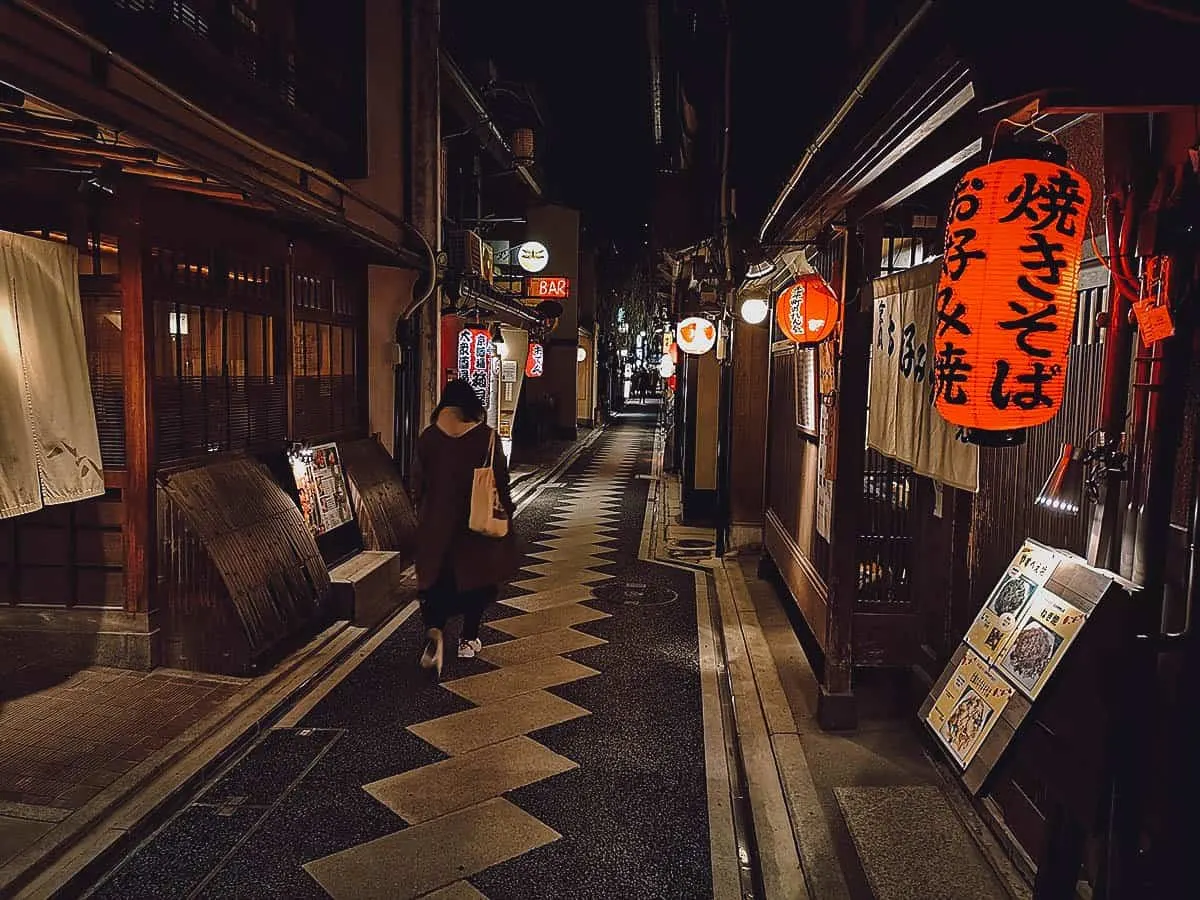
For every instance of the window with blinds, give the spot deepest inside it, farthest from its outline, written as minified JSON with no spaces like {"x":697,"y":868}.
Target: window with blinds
{"x":101,"y":300}
{"x":325,"y":379}
{"x":219,"y":383}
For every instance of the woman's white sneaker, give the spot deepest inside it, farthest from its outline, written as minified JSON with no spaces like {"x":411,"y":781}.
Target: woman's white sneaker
{"x":469,"y":649}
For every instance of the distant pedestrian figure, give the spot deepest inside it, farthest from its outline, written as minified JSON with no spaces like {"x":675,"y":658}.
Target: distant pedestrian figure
{"x":458,"y":571}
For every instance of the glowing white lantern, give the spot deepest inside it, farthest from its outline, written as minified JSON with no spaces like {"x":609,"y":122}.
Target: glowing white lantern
{"x":755,"y":310}
{"x":696,"y":335}
{"x":533,"y":256}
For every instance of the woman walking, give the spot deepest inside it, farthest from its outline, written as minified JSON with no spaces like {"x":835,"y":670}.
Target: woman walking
{"x":458,"y":570}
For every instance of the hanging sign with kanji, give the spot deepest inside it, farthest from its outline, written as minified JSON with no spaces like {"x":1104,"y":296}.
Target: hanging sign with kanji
{"x":475,"y":355}
{"x":1006,"y":296}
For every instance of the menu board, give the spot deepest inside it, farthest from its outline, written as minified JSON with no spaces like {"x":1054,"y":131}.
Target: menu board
{"x":324,"y":499}
{"x":998,"y":618}
{"x":1017,"y":640}
{"x":969,"y":705}
{"x":1039,"y":641}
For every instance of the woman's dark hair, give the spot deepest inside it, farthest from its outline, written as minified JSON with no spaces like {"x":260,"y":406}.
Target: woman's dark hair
{"x":461,"y":396}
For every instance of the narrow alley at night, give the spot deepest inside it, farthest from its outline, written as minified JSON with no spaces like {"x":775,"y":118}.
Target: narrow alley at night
{"x":642,"y":450}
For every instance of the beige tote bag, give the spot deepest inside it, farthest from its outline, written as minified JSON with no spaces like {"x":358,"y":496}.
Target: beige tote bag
{"x":488,"y":517}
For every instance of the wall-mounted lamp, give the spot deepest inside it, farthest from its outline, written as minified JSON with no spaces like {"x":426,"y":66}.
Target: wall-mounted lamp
{"x":1078,"y":475}
{"x":1063,"y":490}
{"x":497,"y":337}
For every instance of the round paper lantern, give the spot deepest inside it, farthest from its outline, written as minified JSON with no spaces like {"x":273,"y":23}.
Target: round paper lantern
{"x":696,"y":335}
{"x":755,"y":310}
{"x":535,"y":360}
{"x":532,"y":256}
{"x":666,"y":367}
{"x":1005,"y":301}
{"x":581,"y":354}
{"x":673,"y":350}
{"x":808,"y":311}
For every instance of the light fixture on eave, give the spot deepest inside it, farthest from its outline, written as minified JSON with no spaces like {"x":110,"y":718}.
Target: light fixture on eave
{"x":760,"y":269}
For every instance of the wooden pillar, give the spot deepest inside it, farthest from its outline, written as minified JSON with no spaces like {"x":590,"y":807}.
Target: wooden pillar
{"x":287,"y":344}
{"x":751,"y":373}
{"x":137,"y":333}
{"x":836,"y":707}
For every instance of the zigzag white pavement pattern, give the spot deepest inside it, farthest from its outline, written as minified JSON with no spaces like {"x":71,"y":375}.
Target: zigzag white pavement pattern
{"x":459,"y":821}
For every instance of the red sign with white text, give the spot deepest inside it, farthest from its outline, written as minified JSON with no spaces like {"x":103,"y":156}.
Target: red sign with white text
{"x":552,"y":288}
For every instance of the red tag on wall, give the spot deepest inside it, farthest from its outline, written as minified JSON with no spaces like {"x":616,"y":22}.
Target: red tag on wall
{"x":1154,"y":321}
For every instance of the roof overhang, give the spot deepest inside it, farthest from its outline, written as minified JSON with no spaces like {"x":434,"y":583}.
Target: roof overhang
{"x":77,"y":78}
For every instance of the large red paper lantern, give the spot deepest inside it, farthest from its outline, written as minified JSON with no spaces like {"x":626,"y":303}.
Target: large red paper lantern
{"x":1006,"y":297}
{"x":808,"y":311}
{"x":535,"y":360}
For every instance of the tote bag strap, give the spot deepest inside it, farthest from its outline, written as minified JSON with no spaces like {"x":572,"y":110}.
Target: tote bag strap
{"x":492,"y":450}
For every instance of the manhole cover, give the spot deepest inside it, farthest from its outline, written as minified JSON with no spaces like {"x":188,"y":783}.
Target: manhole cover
{"x":632,"y":593}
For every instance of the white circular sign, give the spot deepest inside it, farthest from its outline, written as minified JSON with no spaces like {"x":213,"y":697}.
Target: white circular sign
{"x":532,"y":256}
{"x":696,"y":335}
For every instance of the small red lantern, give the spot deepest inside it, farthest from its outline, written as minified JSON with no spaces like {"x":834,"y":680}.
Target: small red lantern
{"x":674,"y":351}
{"x":808,"y":311}
{"x":535,"y":361}
{"x":1006,"y":297}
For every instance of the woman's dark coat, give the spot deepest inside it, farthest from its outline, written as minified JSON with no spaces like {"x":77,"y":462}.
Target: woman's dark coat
{"x":443,"y":476}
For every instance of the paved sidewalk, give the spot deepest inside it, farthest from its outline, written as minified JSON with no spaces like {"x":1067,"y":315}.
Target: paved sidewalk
{"x":570,"y":760}
{"x":66,"y":735}
{"x":865,"y":816}
{"x":81,"y":746}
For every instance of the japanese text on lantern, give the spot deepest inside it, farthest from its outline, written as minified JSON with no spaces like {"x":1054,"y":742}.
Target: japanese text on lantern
{"x":1006,"y":298}
{"x":474,"y":358}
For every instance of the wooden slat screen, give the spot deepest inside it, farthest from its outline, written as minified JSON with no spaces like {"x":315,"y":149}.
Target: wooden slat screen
{"x":325,"y":357}
{"x":219,"y":383}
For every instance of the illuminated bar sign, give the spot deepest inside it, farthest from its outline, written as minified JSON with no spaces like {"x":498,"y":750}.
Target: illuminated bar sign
{"x":548,"y":288}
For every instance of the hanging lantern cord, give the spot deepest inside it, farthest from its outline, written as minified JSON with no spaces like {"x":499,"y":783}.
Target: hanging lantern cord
{"x":1019,"y":128}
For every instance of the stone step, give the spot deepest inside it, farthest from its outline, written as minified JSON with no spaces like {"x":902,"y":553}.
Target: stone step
{"x":366,"y":587}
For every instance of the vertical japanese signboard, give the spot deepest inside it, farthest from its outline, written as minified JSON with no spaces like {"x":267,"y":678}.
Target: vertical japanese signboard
{"x":475,"y":360}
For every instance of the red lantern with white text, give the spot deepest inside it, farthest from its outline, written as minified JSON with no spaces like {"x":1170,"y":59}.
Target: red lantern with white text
{"x":808,"y":311}
{"x":535,"y":361}
{"x":1006,"y":297}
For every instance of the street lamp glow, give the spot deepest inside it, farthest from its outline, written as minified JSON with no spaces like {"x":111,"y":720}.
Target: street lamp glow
{"x":755,"y":310}
{"x":580,"y":354}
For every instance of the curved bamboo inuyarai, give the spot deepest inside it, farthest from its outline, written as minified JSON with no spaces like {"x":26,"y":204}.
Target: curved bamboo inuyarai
{"x":380,"y":500}
{"x":229,"y":519}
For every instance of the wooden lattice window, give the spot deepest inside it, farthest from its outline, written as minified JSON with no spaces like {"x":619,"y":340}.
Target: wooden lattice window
{"x":326,"y":379}
{"x":219,"y":383}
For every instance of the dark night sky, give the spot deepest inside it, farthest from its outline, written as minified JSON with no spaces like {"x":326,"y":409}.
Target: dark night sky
{"x":587,"y":59}
{"x":587,"y":62}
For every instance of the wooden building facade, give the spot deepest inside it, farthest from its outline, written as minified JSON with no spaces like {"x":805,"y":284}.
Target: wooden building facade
{"x":904,"y":564}
{"x":223,"y":262}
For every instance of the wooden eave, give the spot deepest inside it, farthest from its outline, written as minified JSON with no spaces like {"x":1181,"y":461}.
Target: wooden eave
{"x":72,"y":75}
